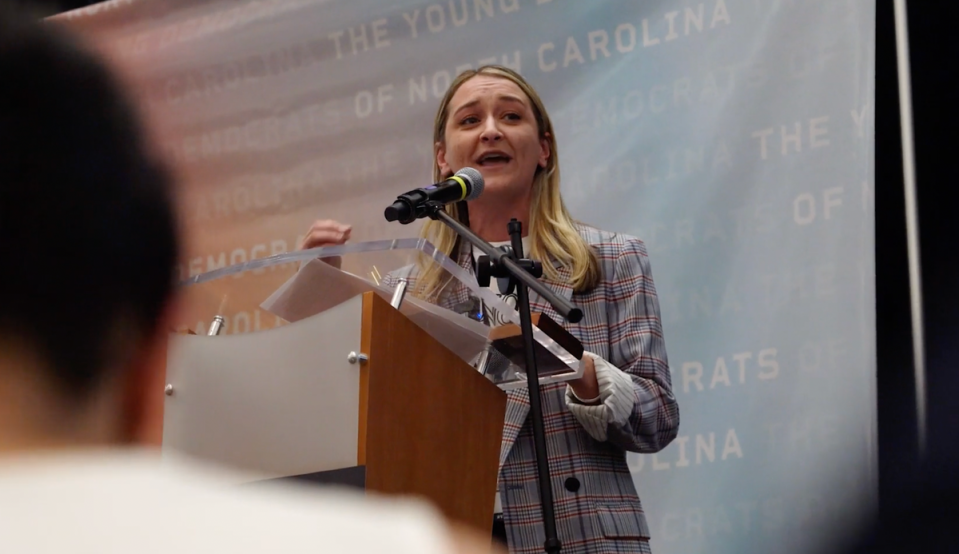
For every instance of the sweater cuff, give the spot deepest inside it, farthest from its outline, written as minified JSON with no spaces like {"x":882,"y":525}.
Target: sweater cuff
{"x":614,"y":404}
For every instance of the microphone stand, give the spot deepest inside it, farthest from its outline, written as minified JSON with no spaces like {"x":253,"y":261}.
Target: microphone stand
{"x":519,"y":271}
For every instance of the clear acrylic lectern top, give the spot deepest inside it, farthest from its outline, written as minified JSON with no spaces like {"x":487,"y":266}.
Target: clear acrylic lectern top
{"x":269,"y":292}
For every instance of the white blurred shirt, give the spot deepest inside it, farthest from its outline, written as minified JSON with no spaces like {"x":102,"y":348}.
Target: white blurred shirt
{"x":128,"y":502}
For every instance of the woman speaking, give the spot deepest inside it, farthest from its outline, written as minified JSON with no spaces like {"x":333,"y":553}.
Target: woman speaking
{"x":492,"y":120}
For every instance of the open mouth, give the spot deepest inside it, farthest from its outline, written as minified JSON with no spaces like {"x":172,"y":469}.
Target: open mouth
{"x":491,"y":159}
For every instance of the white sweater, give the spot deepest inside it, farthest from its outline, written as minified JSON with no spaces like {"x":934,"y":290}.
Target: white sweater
{"x":128,"y":502}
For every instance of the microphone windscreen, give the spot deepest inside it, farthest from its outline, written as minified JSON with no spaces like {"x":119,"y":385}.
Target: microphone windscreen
{"x":475,"y":179}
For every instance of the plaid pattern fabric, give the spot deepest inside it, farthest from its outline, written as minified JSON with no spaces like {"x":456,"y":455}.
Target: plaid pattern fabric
{"x":597,"y":507}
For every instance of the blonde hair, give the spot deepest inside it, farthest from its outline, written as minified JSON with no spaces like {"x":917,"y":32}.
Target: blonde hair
{"x":552,"y":231}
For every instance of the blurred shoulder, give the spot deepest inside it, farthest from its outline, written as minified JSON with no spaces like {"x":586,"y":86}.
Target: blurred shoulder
{"x":123,"y":496}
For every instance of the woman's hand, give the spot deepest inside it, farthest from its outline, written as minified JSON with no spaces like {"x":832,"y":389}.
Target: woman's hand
{"x":586,"y":387}
{"x":326,"y":232}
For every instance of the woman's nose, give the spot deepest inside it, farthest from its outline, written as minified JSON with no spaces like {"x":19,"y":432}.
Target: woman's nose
{"x":491,"y":132}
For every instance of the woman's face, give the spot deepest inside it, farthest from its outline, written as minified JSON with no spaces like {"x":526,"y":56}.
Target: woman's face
{"x":491,"y":127}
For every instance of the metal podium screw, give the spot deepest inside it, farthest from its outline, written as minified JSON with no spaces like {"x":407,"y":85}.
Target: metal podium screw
{"x":216,"y":326}
{"x":398,"y":294}
{"x":168,"y":390}
{"x":353,"y":357}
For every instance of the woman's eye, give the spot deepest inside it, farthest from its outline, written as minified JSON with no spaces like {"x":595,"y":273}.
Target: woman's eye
{"x":469,"y":120}
{"x":513,"y":116}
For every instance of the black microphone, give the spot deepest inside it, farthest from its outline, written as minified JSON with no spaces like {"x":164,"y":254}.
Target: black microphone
{"x":467,"y":184}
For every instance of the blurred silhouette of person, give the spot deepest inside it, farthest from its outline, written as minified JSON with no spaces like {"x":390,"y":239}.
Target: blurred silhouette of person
{"x":88,"y":243}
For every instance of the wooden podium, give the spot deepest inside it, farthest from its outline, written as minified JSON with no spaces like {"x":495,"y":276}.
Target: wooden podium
{"x":357,"y":394}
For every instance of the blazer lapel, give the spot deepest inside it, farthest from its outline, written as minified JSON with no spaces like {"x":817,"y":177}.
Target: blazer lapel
{"x":560,"y":286}
{"x":517,"y":406}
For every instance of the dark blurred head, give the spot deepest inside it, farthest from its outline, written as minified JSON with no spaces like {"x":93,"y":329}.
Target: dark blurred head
{"x":87,"y":232}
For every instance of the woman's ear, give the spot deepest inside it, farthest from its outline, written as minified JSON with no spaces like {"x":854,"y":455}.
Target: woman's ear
{"x":440,"y":151}
{"x":544,"y":150}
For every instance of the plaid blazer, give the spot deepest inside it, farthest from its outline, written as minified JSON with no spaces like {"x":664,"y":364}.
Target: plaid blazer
{"x":596,"y":504}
